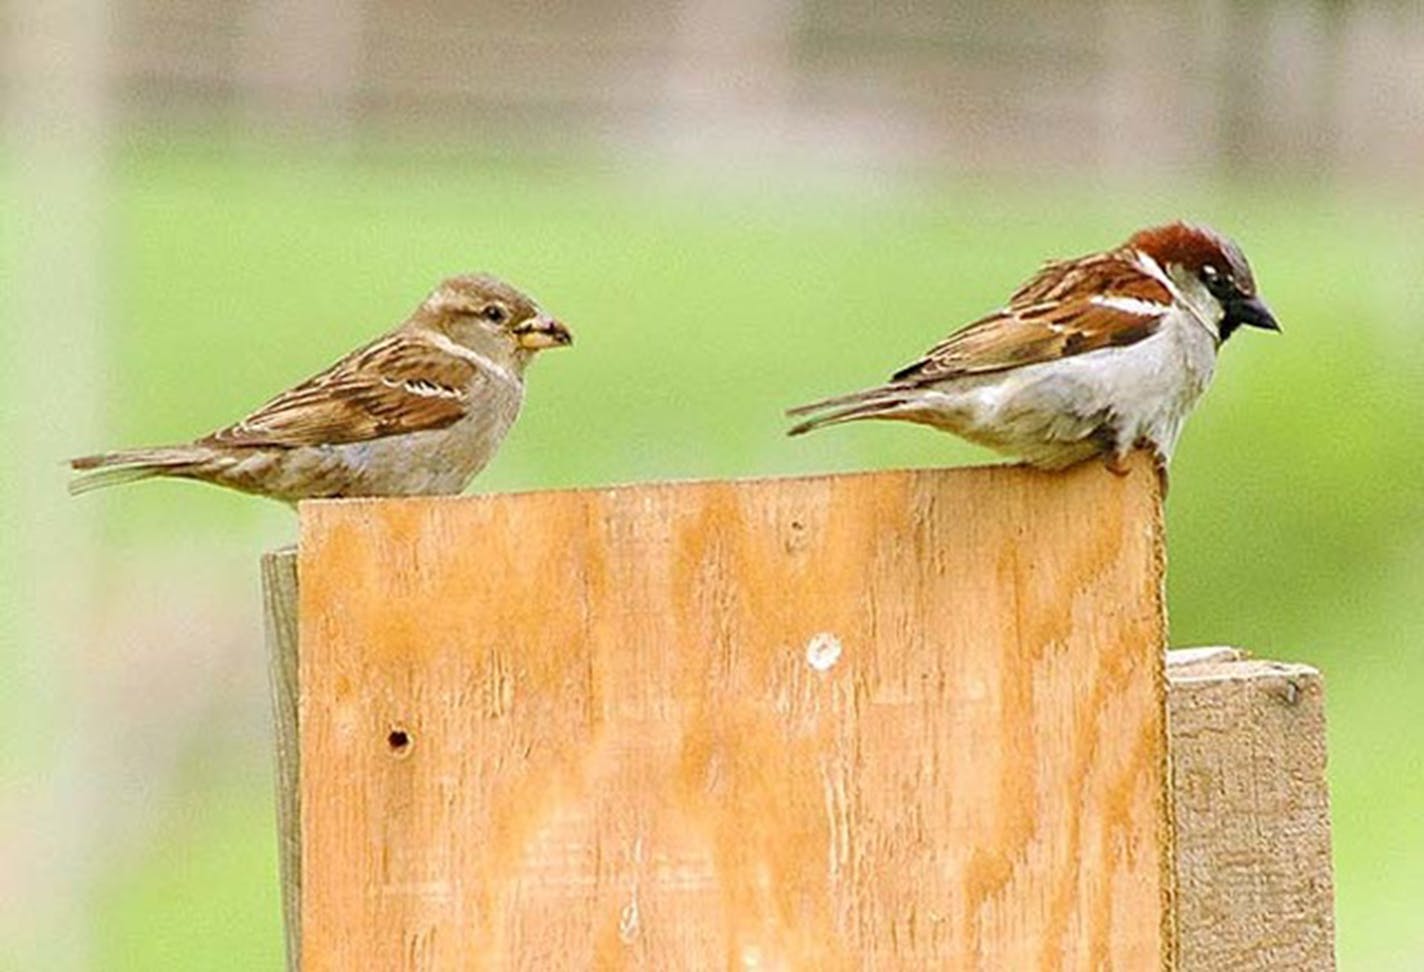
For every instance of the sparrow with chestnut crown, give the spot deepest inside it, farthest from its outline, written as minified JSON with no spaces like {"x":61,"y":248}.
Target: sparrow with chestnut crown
{"x":1091,"y":357}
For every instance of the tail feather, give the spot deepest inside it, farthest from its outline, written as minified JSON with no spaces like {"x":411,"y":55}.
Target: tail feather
{"x":836,"y":401}
{"x":878,"y":402}
{"x":127,"y":466}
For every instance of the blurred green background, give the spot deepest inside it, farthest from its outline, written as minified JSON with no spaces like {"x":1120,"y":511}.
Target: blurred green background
{"x":187,"y":269}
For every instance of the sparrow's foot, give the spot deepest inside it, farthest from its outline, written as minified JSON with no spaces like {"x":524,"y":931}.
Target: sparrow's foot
{"x":1116,"y":464}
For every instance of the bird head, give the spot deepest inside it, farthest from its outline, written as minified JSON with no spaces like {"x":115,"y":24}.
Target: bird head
{"x":1210,"y":271}
{"x":486,"y":314}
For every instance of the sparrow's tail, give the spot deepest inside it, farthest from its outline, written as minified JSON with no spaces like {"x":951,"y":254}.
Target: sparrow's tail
{"x":886,"y":401}
{"x":127,"y":466}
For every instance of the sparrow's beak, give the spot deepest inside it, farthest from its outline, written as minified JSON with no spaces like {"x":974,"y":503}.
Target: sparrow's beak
{"x":1253,"y":312}
{"x":542,"y":332}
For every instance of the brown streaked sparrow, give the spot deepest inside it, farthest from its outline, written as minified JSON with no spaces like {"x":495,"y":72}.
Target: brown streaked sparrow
{"x":1091,"y":357}
{"x":417,"y":412}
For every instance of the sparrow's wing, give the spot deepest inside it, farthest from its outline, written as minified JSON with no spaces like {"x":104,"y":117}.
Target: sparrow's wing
{"x":1067,"y":308}
{"x":397,"y":384}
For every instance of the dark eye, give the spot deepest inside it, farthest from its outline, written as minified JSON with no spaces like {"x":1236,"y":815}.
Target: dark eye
{"x":494,"y":313}
{"x":1216,"y":283}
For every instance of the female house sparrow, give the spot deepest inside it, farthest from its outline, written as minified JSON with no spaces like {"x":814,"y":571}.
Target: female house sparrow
{"x":418,"y":411}
{"x":1091,"y":357}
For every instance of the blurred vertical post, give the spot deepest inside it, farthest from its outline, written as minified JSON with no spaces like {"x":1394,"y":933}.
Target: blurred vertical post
{"x":301,"y":64}
{"x":53,"y":384}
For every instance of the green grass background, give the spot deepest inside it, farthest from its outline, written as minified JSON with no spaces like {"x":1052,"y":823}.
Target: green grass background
{"x":702,"y":307}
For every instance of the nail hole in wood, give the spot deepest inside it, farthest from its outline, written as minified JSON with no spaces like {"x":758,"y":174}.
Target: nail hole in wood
{"x":399,"y":740}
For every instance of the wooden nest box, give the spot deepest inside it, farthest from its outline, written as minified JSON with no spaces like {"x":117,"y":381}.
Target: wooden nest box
{"x":904,"y":720}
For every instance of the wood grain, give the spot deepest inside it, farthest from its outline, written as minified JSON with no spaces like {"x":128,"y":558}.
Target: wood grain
{"x":1255,"y":887}
{"x":583,"y":729}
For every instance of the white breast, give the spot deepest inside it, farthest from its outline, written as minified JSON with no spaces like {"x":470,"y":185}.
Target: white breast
{"x":1060,"y":412}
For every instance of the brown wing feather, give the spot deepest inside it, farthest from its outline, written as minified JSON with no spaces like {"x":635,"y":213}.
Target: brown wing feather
{"x":1051,"y":316}
{"x":394,"y":385}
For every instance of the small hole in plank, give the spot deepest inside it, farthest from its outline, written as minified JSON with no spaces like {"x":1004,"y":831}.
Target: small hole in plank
{"x":399,"y":741}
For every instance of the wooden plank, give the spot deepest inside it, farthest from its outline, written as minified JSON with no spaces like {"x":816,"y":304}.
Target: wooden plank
{"x":893,"y":720}
{"x":1289,"y":899}
{"x":1252,"y":809}
{"x":279,"y":593}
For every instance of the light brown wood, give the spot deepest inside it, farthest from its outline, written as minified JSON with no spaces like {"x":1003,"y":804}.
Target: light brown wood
{"x":1253,"y":816}
{"x":897,"y":720}
{"x":279,"y":592}
{"x":1277,"y":851}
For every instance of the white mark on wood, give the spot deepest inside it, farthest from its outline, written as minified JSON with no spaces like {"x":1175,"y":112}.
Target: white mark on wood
{"x":628,"y":921}
{"x":823,"y":651}
{"x":1179,"y":657}
{"x":628,"y":918}
{"x":753,"y":956}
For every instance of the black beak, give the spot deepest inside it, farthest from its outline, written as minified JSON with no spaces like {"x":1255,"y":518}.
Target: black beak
{"x":1252,"y":312}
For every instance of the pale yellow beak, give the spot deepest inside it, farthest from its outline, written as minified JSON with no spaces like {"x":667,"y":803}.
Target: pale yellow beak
{"x":542,"y":332}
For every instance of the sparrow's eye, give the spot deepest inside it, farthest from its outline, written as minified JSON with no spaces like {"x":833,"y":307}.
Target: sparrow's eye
{"x":494,"y":313}
{"x":1217,"y":283}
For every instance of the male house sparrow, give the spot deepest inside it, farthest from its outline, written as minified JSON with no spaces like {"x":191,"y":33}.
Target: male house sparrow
{"x":1091,"y":357}
{"x":418,"y":411}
